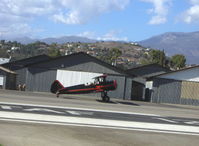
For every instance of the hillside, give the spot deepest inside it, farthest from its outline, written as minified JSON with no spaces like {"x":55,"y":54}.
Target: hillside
{"x":131,"y":53}
{"x":176,"y":43}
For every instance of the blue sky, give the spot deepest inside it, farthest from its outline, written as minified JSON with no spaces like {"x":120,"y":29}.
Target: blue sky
{"x":129,"y":20}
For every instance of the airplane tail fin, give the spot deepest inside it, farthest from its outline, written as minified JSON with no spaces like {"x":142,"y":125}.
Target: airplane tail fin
{"x":56,"y":85}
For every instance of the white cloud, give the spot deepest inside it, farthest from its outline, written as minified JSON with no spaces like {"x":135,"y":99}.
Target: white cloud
{"x":65,"y":11}
{"x":110,"y":36}
{"x":88,"y":34}
{"x":22,"y":12}
{"x":194,"y":2}
{"x":160,"y":11}
{"x":157,"y":20}
{"x":13,"y":30}
{"x":192,"y":14}
{"x":81,"y":11}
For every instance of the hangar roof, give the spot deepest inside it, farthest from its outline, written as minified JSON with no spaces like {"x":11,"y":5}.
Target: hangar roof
{"x":148,"y":70}
{"x":188,"y":74}
{"x":72,"y":60}
{"x":18,"y":64}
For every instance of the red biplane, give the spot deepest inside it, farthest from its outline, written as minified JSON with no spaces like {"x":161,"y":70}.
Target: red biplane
{"x":99,"y":85}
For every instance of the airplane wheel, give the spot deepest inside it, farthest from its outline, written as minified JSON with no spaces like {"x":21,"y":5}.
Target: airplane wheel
{"x":105,"y":97}
{"x":57,"y":94}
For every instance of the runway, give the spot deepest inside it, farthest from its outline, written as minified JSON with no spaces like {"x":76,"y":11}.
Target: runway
{"x":97,"y":118}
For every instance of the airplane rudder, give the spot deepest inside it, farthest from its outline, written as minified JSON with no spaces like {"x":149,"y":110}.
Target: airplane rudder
{"x":55,"y":86}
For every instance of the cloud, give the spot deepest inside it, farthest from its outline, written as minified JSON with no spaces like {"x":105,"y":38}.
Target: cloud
{"x":13,"y":30}
{"x":88,"y":34}
{"x":23,"y":12}
{"x":15,"y":16}
{"x":192,"y":14}
{"x":81,"y":11}
{"x":65,"y":11}
{"x":160,"y":11}
{"x":110,"y":36}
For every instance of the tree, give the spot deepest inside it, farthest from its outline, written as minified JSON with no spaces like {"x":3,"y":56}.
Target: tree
{"x":178,"y":61}
{"x":109,"y":55}
{"x":114,"y":54}
{"x":158,"y":57}
{"x":54,"y":52}
{"x":155,"y":56}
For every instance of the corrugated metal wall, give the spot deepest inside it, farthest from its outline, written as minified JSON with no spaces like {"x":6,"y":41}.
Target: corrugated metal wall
{"x":177,"y":92}
{"x":166,"y":91}
{"x":91,"y":67}
{"x":40,"y":80}
{"x":128,"y":88}
{"x":119,"y":92}
{"x":21,"y":77}
{"x":11,"y":81}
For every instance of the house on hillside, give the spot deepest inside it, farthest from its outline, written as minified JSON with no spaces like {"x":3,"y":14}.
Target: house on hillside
{"x":179,"y":87}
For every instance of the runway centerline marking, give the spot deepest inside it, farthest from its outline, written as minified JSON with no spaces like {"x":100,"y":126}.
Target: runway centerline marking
{"x":44,"y":110}
{"x":163,"y":119}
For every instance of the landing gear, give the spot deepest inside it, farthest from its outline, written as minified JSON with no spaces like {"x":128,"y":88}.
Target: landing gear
{"x":105,"y":97}
{"x":57,"y":94}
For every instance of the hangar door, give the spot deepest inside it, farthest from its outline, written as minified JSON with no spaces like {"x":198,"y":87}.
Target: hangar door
{"x":137,"y":91}
{"x":71,"y":78}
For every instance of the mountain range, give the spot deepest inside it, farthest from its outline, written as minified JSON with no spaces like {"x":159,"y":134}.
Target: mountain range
{"x":176,"y":43}
{"x":50,"y":40}
{"x":171,"y":42}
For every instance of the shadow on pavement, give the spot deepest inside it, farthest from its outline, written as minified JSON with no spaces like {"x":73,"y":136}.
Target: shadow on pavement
{"x":119,"y":102}
{"x":128,"y":103}
{"x":65,"y":97}
{"x":112,"y":102}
